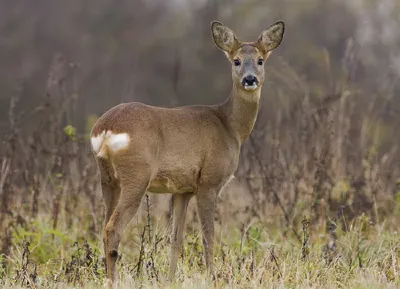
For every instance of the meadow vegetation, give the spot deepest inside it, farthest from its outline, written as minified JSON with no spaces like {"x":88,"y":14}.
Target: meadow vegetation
{"x":315,"y":202}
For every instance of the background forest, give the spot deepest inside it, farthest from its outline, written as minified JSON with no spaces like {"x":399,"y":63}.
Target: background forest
{"x":316,"y":198}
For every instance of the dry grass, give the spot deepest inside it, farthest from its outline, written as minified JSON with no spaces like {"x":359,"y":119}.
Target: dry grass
{"x":315,"y":203}
{"x":256,"y":255}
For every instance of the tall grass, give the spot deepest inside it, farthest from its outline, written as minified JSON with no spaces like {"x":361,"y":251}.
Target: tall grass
{"x":315,"y":203}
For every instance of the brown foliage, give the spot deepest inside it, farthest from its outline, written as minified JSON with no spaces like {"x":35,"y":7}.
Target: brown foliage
{"x":325,"y":145}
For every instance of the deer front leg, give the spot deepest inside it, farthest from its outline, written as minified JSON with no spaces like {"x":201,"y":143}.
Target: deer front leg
{"x":181,"y":203}
{"x":206,"y":203}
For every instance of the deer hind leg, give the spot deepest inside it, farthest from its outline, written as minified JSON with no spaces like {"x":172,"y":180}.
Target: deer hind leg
{"x":110,"y":189}
{"x":134,"y":178}
{"x":181,"y":203}
{"x":206,"y":204}
{"x":111,"y":192}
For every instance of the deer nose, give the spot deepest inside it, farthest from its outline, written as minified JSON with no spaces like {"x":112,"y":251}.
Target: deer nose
{"x":249,"y":80}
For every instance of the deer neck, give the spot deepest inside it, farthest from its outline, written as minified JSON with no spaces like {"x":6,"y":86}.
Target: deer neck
{"x":240,"y":110}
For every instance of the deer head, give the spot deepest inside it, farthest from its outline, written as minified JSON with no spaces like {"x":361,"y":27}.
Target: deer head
{"x":247,"y":58}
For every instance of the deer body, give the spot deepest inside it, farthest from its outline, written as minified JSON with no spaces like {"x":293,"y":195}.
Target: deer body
{"x":186,"y":151}
{"x":181,"y":145}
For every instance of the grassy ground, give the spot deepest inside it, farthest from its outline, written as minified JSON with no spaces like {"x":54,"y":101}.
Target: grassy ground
{"x":254,"y":254}
{"x":316,"y":204}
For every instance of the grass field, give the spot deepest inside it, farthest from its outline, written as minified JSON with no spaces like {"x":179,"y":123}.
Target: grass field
{"x":249,"y":252}
{"x":315,"y":204}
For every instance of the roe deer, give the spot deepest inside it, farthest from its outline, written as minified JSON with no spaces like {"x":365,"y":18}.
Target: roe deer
{"x":185,"y":151}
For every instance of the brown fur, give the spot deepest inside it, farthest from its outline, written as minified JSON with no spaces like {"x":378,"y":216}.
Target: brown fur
{"x":187,"y":151}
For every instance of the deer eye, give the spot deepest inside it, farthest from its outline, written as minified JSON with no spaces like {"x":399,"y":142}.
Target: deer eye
{"x":236,"y":62}
{"x":260,"y":61}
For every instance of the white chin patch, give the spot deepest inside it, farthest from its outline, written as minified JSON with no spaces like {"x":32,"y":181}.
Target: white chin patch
{"x":250,"y":87}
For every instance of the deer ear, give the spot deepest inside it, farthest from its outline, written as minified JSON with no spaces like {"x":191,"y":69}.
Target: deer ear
{"x":224,"y":37}
{"x":272,"y":37}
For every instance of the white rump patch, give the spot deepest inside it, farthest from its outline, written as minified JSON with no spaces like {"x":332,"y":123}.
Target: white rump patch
{"x":97,"y":141}
{"x":118,"y":141}
{"x":114,"y":142}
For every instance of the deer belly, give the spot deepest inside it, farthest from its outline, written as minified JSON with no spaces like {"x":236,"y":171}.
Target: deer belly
{"x":173,"y":183}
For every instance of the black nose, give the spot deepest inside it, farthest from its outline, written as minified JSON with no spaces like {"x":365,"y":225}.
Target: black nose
{"x":249,"y":80}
